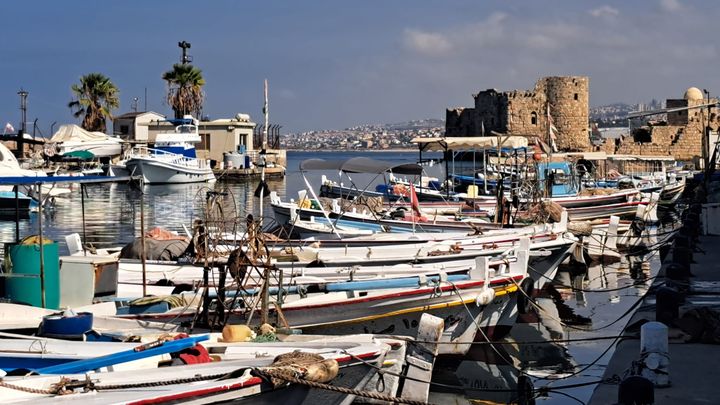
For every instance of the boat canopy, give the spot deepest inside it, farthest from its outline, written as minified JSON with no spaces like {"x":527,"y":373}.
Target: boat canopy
{"x":467,"y":143}
{"x":361,"y":165}
{"x":79,"y":154}
{"x":605,"y":156}
{"x":74,"y":133}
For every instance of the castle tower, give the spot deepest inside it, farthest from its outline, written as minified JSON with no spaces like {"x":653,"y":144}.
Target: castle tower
{"x":569,"y":108}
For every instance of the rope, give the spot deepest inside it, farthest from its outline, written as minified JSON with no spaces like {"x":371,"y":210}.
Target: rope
{"x":511,"y":343}
{"x":349,"y":391}
{"x":58,"y":389}
{"x":90,"y":385}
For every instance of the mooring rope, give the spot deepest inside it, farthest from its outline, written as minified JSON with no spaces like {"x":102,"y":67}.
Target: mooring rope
{"x":349,"y":391}
{"x":57,"y":389}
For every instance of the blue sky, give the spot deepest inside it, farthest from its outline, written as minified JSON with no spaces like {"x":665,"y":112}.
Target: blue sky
{"x":334,"y":64}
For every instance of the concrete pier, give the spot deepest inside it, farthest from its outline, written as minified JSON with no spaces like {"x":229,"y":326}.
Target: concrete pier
{"x":242,"y":174}
{"x":693,"y":371}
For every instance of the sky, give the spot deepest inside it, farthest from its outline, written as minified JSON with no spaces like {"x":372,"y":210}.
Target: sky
{"x":336,"y":64}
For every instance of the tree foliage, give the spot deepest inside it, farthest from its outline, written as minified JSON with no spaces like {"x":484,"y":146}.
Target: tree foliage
{"x":96,"y":97}
{"x":185,"y":95}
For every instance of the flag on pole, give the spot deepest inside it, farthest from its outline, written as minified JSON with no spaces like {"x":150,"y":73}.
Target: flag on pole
{"x":552,"y":131}
{"x":414,"y":200}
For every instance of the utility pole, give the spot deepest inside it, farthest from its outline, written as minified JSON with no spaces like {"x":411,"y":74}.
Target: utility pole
{"x":185,"y":57}
{"x":20,"y":143}
{"x":706,"y":134}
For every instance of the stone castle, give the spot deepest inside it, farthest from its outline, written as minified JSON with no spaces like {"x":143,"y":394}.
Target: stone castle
{"x":562,"y":101}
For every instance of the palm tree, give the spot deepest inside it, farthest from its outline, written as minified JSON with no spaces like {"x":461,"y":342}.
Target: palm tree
{"x":185,"y":93}
{"x":96,"y":97}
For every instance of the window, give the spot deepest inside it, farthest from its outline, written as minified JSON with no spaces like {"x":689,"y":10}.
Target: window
{"x":533,"y":118}
{"x":124,"y":129}
{"x":204,"y":142}
{"x":576,"y":96}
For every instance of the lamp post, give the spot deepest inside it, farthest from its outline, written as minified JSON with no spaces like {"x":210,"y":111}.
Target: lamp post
{"x":20,"y":143}
{"x":185,"y":57}
{"x":706,"y":133}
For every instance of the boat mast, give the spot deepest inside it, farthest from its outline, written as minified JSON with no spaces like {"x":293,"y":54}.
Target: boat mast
{"x":263,"y":150}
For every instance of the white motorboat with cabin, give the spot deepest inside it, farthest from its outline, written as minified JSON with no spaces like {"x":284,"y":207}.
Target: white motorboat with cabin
{"x":173,"y":159}
{"x":72,"y":138}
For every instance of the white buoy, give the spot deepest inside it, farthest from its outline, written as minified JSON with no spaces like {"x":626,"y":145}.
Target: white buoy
{"x":655,"y":353}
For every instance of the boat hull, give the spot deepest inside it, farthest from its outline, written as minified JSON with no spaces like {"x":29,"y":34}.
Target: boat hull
{"x":161,"y":172}
{"x":98,"y":149}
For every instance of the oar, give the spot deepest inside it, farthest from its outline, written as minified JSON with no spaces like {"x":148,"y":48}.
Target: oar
{"x":140,"y":352}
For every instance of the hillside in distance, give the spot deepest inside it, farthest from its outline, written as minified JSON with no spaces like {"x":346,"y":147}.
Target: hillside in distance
{"x":398,"y":135}
{"x":366,"y":136}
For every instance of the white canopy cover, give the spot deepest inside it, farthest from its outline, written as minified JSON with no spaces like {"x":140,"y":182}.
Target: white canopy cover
{"x":470,"y":143}
{"x":74,"y":133}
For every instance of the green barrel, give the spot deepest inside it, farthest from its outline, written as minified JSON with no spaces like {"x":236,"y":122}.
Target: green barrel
{"x":23,"y":282}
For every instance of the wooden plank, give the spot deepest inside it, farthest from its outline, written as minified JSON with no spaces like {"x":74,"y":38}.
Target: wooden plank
{"x":421,"y":358}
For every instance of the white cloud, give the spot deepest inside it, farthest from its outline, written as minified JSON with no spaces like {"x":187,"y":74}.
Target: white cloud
{"x":428,"y":43}
{"x":604,"y":12}
{"x":670,"y":5}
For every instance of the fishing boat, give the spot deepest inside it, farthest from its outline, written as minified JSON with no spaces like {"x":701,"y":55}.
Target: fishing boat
{"x":26,"y":200}
{"x":481,"y":300}
{"x":173,"y":158}
{"x":239,"y":372}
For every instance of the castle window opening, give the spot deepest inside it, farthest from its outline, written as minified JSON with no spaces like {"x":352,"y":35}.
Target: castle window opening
{"x":576,"y":96}
{"x":533,"y":118}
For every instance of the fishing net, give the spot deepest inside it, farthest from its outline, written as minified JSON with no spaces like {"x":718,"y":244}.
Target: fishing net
{"x":301,"y":365}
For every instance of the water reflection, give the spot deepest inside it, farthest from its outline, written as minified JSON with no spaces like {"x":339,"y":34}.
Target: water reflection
{"x":565,"y":340}
{"x":112,"y":211}
{"x":492,"y":373}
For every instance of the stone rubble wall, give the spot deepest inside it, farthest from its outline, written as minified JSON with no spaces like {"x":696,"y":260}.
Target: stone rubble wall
{"x":524,"y":113}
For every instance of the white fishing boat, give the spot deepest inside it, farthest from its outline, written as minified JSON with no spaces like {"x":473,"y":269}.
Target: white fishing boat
{"x":234,"y":375}
{"x":482,"y":299}
{"x":311,"y":227}
{"x":173,"y":159}
{"x":27,"y":199}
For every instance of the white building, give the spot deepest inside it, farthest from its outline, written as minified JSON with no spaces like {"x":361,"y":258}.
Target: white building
{"x":218,"y":136}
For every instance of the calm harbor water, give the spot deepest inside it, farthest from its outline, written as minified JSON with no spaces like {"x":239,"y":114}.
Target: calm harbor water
{"x":601,"y":295}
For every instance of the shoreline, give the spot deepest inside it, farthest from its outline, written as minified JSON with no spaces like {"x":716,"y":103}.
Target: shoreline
{"x":350,"y":150}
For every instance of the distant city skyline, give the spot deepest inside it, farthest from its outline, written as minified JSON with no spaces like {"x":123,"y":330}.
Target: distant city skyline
{"x":337,"y":64}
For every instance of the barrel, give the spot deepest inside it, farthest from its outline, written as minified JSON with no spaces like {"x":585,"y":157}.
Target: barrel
{"x":22,"y":284}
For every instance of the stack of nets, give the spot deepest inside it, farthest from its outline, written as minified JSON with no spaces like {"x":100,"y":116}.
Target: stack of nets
{"x":360,"y":204}
{"x":542,"y":212}
{"x":300,"y":365}
{"x":598,"y":191}
{"x":580,"y":228}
